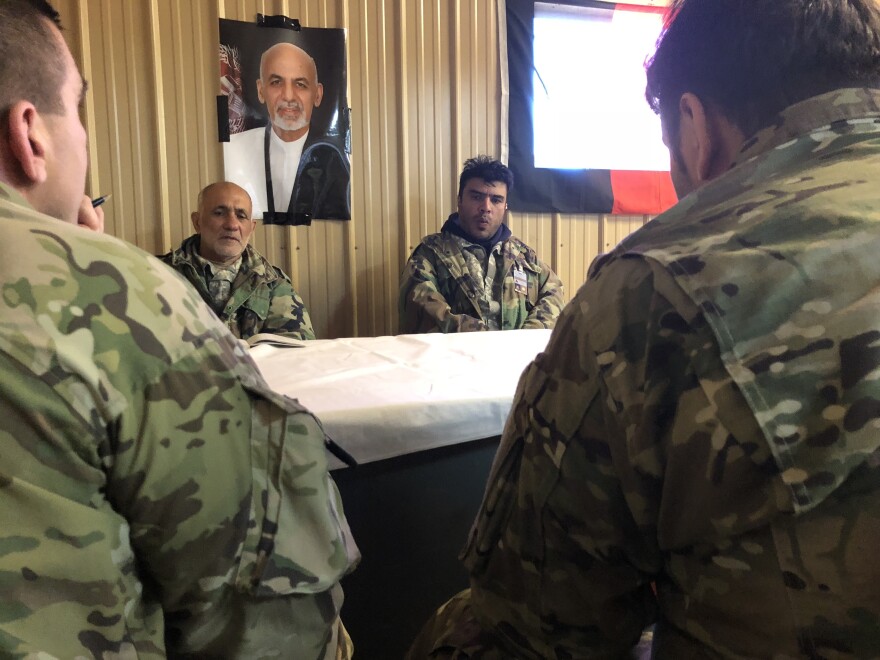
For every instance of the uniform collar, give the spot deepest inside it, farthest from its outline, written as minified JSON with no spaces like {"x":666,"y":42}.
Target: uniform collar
{"x":811,"y":116}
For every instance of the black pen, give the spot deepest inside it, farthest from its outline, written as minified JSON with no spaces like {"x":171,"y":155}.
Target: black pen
{"x":100,"y":200}
{"x":339,"y":452}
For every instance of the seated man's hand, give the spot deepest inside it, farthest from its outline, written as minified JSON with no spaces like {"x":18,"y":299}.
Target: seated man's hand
{"x":90,"y":217}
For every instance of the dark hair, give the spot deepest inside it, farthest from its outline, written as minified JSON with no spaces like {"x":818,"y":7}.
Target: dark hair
{"x":31,"y":56}
{"x":751,"y":59}
{"x":487,"y":169}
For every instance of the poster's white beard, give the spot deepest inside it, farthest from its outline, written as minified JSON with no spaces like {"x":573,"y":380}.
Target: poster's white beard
{"x":290,"y":124}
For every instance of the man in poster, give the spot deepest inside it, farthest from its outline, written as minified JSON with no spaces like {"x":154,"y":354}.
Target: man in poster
{"x":292,"y":175}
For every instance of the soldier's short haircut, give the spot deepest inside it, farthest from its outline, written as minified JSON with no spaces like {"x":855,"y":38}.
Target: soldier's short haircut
{"x":31,"y":56}
{"x":750,"y":59}
{"x":487,"y":169}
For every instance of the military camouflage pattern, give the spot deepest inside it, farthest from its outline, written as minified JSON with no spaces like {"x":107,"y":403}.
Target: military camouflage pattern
{"x":155,"y":496}
{"x":705,"y":417}
{"x":262,"y":299}
{"x":443,"y":289}
{"x":218,"y":279}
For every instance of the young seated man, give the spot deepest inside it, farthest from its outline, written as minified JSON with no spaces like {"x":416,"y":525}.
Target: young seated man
{"x":474,"y":274}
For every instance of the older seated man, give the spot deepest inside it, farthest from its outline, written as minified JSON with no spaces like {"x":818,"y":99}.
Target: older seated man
{"x":247,"y":292}
{"x":474,"y":274}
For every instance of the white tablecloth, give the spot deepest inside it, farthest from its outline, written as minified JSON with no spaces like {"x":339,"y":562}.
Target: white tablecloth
{"x":380,"y":397}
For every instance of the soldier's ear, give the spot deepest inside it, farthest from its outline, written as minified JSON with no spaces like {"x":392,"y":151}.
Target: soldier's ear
{"x":28,"y":143}
{"x":708,"y":141}
{"x":695,"y":141}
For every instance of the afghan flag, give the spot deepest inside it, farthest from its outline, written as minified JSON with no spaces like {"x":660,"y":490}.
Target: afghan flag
{"x":582,"y":138}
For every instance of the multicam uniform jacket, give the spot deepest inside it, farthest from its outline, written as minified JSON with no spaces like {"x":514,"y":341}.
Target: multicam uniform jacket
{"x":445,"y":287}
{"x":262,"y":299}
{"x":705,"y":418}
{"x":141,"y":509}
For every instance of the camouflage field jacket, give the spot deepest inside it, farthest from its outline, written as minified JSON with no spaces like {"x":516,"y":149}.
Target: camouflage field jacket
{"x":443,"y":288}
{"x":705,"y":419}
{"x":141,"y":512}
{"x":263,"y":298}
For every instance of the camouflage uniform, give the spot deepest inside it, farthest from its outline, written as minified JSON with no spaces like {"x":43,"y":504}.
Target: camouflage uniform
{"x":155,"y":496}
{"x":262,"y":300}
{"x":705,"y":419}
{"x":451,"y":285}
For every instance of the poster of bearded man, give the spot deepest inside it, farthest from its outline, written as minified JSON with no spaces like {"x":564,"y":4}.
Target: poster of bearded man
{"x":283,"y":119}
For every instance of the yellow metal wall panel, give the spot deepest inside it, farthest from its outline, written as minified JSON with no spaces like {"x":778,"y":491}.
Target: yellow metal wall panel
{"x":425,"y":92}
{"x":375,"y":42}
{"x":122,"y":87}
{"x":579,"y":243}
{"x":185,"y":46}
{"x":617,"y":227}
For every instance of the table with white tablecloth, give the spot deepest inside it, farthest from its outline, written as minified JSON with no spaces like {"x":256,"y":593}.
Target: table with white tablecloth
{"x":380,"y":397}
{"x":422,"y":415}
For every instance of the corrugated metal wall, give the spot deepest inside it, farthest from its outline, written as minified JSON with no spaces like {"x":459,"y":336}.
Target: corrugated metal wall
{"x":425,"y":95}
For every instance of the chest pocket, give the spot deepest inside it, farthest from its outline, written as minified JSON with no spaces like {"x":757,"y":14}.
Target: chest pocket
{"x":523,"y":280}
{"x":248,"y":310}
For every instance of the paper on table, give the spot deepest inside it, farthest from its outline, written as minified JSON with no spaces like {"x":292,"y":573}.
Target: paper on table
{"x":282,"y":341}
{"x":380,"y":397}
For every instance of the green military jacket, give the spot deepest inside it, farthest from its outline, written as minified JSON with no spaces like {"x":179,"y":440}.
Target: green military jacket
{"x":439,"y":290}
{"x":705,"y":420}
{"x":156,"y":497}
{"x":263,"y":298}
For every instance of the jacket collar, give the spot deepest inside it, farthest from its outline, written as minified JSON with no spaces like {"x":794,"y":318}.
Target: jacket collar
{"x":811,"y":116}
{"x":251,"y":260}
{"x":453,"y":226}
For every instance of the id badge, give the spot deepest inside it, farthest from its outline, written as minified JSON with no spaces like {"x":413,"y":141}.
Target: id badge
{"x":520,"y":281}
